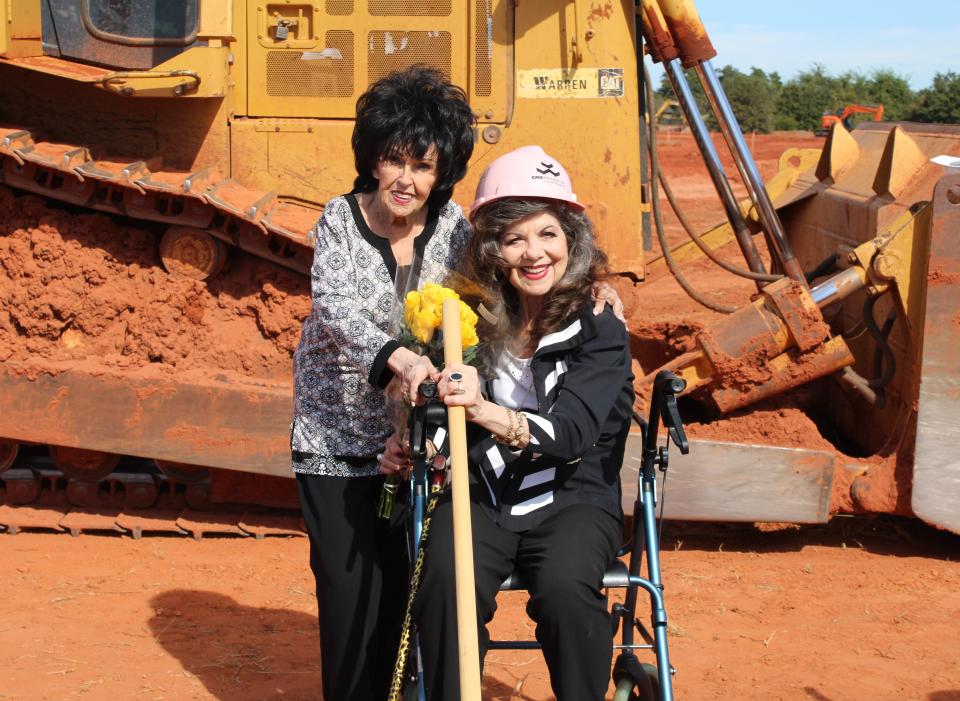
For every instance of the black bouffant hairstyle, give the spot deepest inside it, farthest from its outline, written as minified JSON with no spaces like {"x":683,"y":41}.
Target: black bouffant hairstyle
{"x":404,"y":114}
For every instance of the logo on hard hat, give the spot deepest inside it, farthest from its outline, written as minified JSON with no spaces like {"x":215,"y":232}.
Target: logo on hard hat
{"x":548,"y":168}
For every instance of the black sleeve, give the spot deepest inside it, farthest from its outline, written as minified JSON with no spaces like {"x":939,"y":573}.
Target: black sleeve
{"x":592,"y":384}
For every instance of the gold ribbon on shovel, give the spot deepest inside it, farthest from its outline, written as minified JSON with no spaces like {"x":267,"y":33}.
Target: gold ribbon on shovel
{"x":469,"y":651}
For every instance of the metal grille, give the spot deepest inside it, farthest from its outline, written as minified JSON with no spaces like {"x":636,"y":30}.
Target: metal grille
{"x":483,"y":48}
{"x":416,"y":8}
{"x":290,"y":76}
{"x":395,"y":50}
{"x":340,"y":7}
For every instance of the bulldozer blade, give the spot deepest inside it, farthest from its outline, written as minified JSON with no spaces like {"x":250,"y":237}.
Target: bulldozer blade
{"x":719,"y":481}
{"x":204,"y":421}
{"x":935,"y":497}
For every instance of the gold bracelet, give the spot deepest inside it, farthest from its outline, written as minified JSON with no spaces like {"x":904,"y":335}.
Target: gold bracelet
{"x":522,"y":428}
{"x":505,"y":440}
{"x":517,"y":431}
{"x":507,"y":437}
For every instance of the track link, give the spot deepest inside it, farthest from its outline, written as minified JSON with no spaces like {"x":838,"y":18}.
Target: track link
{"x":135,"y":500}
{"x":255,"y":221}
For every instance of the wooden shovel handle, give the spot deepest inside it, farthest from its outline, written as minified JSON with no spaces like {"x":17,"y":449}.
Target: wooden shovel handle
{"x":469,"y":652}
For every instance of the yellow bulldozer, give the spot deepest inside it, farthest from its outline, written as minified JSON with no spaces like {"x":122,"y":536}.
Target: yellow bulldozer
{"x":193,"y":143}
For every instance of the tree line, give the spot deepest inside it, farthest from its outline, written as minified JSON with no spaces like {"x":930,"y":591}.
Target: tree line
{"x":763,"y":102}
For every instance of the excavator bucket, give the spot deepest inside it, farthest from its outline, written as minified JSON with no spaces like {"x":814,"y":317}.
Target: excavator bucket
{"x":875,"y":181}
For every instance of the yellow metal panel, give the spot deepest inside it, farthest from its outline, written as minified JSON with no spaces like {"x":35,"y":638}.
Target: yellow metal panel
{"x":596,"y":138}
{"x":237,"y":85}
{"x":490,"y":79}
{"x":307,"y":160}
{"x":216,"y":19}
{"x":20,"y":28}
{"x":339,"y":48}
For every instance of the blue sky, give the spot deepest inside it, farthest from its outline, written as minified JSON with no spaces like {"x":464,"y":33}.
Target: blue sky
{"x":914,"y":39}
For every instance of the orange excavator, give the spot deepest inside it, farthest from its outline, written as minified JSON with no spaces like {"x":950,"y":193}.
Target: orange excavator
{"x":844,"y":116}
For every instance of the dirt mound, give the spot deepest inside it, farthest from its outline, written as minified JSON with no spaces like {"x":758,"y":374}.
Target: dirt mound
{"x":85,"y":288}
{"x":766,"y":424}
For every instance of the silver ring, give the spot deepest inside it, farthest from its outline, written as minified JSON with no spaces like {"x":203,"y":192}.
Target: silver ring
{"x":456,"y":376}
{"x":459,"y":389}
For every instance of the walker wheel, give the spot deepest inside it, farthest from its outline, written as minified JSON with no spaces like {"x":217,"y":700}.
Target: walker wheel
{"x":645,"y":689}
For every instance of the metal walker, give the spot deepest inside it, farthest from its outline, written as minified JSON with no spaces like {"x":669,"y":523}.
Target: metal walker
{"x":634,"y":680}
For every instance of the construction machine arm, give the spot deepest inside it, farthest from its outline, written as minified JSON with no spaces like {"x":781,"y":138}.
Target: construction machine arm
{"x":781,"y":340}
{"x":875,"y":110}
{"x":676,"y":37}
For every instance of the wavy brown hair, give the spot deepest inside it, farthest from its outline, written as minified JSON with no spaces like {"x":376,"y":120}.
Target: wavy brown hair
{"x":586,"y":265}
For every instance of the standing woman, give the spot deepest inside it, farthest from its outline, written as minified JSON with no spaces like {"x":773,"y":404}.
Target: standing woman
{"x":411,"y":142}
{"x":546,"y":433}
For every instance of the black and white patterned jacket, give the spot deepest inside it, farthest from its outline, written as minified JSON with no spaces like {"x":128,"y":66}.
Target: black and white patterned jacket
{"x":583,"y":382}
{"x":339,"y":417}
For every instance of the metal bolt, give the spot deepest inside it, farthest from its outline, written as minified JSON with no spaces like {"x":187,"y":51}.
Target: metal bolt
{"x":588,"y":35}
{"x":886,"y":265}
{"x":953,"y":195}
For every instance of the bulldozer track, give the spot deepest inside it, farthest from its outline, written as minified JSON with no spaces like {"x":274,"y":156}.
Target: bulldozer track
{"x":135,"y":499}
{"x":258,"y":222}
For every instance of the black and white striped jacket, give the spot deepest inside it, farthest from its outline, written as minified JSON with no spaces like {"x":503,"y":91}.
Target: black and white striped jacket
{"x":584,"y":389}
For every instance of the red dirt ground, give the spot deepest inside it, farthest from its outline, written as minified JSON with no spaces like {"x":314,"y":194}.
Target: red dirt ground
{"x":859,"y":609}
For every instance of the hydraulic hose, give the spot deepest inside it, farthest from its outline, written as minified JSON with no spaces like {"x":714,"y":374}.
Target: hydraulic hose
{"x":889,"y":362}
{"x":885,"y":364}
{"x":675,"y":206}
{"x":658,"y":224}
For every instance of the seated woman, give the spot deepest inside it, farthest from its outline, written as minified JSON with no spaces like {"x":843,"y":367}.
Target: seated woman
{"x":546,"y":432}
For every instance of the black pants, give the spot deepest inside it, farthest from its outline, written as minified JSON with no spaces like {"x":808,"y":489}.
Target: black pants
{"x":562,"y":560}
{"x":360,"y":565}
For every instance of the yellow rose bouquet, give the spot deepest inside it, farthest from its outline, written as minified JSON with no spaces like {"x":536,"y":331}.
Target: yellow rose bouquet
{"x":418,"y":327}
{"x":422,"y":316}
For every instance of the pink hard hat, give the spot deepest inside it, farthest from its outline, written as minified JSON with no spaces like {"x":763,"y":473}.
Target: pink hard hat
{"x":526,"y":172}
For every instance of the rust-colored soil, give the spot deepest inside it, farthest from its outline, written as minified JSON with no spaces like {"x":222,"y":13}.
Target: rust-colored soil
{"x":86,"y":290}
{"x":858,"y":610}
